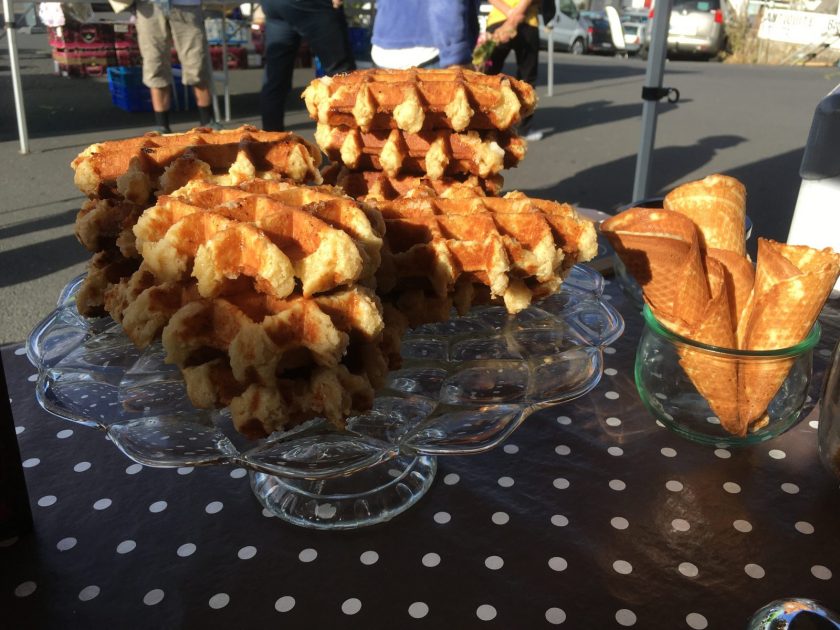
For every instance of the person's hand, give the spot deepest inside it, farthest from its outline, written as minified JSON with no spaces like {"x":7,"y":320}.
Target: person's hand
{"x":503,"y":34}
{"x":337,"y":4}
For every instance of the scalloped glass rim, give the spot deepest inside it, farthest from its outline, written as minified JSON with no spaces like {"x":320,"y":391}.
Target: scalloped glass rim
{"x":75,"y":357}
{"x":803,"y":346}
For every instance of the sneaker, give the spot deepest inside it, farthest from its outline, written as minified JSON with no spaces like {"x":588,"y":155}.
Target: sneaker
{"x":215,"y":125}
{"x":534,"y":136}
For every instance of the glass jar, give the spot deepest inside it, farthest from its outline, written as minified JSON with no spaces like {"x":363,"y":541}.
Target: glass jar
{"x":665,"y":359}
{"x":829,"y":429}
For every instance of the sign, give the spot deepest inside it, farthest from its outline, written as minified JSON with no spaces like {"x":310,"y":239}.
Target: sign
{"x":797,"y":27}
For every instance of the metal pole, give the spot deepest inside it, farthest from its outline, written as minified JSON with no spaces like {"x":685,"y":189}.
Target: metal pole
{"x":550,"y":62}
{"x":225,"y":65}
{"x":17,"y":88}
{"x":657,"y":52}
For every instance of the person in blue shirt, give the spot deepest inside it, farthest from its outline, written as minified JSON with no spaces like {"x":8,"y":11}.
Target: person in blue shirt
{"x":424,"y":33}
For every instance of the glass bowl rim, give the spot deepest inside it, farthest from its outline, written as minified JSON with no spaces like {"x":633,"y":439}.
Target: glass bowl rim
{"x":792,"y":351}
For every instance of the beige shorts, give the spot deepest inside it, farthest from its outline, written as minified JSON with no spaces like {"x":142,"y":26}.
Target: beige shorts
{"x":156,"y":34}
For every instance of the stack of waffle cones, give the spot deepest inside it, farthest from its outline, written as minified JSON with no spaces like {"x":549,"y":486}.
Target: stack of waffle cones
{"x":690,"y":260}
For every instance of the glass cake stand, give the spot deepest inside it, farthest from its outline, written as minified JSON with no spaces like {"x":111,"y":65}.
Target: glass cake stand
{"x":464,"y":387}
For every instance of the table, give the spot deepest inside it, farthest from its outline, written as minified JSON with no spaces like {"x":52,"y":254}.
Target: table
{"x":590,"y":516}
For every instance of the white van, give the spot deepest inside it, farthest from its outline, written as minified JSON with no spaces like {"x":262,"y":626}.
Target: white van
{"x":570,"y":34}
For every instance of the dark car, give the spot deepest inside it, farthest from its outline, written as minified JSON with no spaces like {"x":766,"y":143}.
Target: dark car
{"x":696,"y":28}
{"x":598,"y":35}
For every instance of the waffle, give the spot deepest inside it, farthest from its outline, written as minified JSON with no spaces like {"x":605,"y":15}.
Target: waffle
{"x":220,"y":236}
{"x":137,"y":167}
{"x":377,"y":186}
{"x":417,"y":99}
{"x":517,"y":247}
{"x":433,"y":153}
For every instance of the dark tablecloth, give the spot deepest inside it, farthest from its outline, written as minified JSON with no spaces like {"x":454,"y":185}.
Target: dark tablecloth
{"x":589,"y":516}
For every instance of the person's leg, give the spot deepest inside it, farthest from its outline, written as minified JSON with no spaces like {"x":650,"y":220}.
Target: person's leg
{"x":187,"y":25}
{"x":526,"y":46}
{"x":499,"y":54}
{"x":325,"y":28}
{"x":154,"y":42}
{"x":281,"y":45}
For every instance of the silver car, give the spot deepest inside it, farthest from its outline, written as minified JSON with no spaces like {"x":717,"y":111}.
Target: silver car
{"x":696,"y":28}
{"x":569,"y":32}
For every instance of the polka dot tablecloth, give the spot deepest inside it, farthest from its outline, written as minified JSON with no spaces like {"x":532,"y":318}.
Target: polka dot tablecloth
{"x":590,"y":516}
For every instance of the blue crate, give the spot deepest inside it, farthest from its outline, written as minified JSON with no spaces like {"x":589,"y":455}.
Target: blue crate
{"x":127,"y":89}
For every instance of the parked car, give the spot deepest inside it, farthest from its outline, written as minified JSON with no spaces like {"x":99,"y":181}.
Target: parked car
{"x":696,"y":28}
{"x":598,"y":34}
{"x":634,"y":32}
{"x":568,"y":30}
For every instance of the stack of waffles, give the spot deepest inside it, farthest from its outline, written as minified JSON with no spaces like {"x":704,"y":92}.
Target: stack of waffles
{"x":390,"y":131}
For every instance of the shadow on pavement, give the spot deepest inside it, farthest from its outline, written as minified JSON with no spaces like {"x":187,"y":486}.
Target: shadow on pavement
{"x":67,"y":217}
{"x":41,"y":259}
{"x":553,"y":120}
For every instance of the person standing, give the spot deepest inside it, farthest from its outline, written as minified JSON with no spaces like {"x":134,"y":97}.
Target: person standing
{"x":514,"y":24}
{"x":424,"y":33}
{"x":161,"y":23}
{"x":323,"y":24}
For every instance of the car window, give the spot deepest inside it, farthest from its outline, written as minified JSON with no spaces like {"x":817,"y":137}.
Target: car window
{"x":568,"y":7}
{"x":697,"y":5}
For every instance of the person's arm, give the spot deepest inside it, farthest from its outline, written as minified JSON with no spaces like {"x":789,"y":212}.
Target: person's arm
{"x":514,"y":17}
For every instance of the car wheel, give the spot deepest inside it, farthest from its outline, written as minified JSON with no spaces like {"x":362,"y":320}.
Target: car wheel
{"x":577,"y":47}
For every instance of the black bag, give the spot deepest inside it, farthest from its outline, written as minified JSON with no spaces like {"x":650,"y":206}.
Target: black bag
{"x":548,"y":10}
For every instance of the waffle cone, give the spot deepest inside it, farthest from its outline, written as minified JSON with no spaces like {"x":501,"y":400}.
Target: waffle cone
{"x":717,"y":205}
{"x":792,"y":284}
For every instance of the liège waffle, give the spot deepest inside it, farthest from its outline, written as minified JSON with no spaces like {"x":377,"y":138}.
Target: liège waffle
{"x":433,"y":153}
{"x":416,"y":99}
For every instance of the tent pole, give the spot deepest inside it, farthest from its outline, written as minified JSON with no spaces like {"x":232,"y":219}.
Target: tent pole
{"x":14,"y":62}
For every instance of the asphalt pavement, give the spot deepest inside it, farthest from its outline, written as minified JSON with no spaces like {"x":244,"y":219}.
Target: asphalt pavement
{"x":748,"y":121}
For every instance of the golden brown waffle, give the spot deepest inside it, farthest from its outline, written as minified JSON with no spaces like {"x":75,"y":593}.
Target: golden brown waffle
{"x":136,"y":167}
{"x":417,"y":99}
{"x":434,"y":153}
{"x":105,"y":269}
{"x":517,"y":247}
{"x":377,"y":186}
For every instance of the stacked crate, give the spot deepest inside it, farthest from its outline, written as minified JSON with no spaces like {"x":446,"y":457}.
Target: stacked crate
{"x":81,"y":50}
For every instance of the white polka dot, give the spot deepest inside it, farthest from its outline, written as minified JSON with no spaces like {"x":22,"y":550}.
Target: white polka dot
{"x":88,"y":593}
{"x":742,"y":526}
{"x":81,"y":467}
{"x":431,"y":560}
{"x":19,"y":430}
{"x":680,"y":525}
{"x":510,"y":449}
{"x":32,"y":378}
{"x":790,"y":488}
{"x":560,"y":483}
{"x":558,"y":520}
{"x":418,"y":610}
{"x":564,"y":420}
{"x":369,"y":557}
{"x":557,"y":563}
{"x":754,"y":571}
{"x":153,"y":597}
{"x":610,"y":371}
{"x":219,"y":600}
{"x":673,"y":485}
{"x":506,"y":482}
{"x":731,"y":487}
{"x":214,"y":507}
{"x":688,"y":569}
{"x":284,"y":604}
{"x":494,"y":563}
{"x":777,"y":454}
{"x":625,"y":617}
{"x":442,"y":518}
{"x":64,"y":434}
{"x":246,"y":553}
{"x":47,"y":501}
{"x":102,"y":504}
{"x":238,"y":473}
{"x":555,"y":616}
{"x":668,"y":452}
{"x":267,"y":513}
{"x":820,"y":572}
{"x":307,"y":555}
{"x":615,"y":451}
{"x":186,"y":550}
{"x":613,"y":422}
{"x":623,"y":567}
{"x":66,"y":544}
{"x":619,"y":522}
{"x":713,"y":420}
{"x":696,"y":621}
{"x":500,"y":518}
{"x":185,"y":470}
{"x":25,"y":589}
{"x":351,"y":606}
{"x":617,"y":484}
{"x":723,"y":453}
{"x":485,"y":612}
{"x":562,"y":450}
{"x":126,"y":546}
{"x":804,"y":527}
{"x":157,"y":506}
{"x":611,"y":395}
{"x":31,"y":462}
{"x":451,"y":479}
{"x":814,"y":424}
{"x":134,"y":469}
{"x":609,"y":349}
{"x":20,"y":351}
